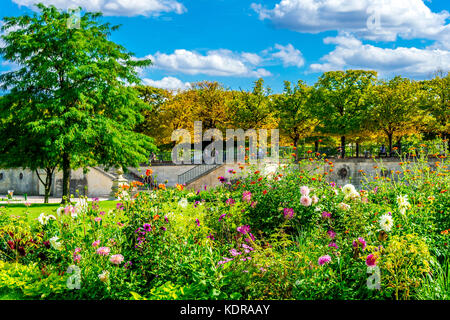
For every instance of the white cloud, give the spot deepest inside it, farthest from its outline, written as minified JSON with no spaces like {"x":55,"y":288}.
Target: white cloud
{"x":252,"y":58}
{"x":170,"y":83}
{"x":115,"y":7}
{"x":351,"y":53}
{"x":214,"y":63}
{"x":289,"y":55}
{"x":371,"y":19}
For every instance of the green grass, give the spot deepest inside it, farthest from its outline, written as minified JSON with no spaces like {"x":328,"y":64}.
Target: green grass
{"x":35,"y":209}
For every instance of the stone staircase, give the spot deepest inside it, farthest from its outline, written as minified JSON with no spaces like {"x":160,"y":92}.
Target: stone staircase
{"x":196,"y":173}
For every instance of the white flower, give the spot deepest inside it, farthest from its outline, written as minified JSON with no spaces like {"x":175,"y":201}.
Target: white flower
{"x":55,"y":243}
{"x":183,"y":203}
{"x":353,"y":195}
{"x":343,"y":206}
{"x":386,"y":222}
{"x":80,"y":207}
{"x":314,"y":199}
{"x":59,"y":211}
{"x":349,"y":189}
{"x":318,"y":209}
{"x":123,"y":195}
{"x":403,"y":204}
{"x":104,"y":276}
{"x":152,"y":195}
{"x":42,"y":218}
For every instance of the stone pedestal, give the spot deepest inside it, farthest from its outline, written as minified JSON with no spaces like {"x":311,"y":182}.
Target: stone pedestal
{"x":117,"y":182}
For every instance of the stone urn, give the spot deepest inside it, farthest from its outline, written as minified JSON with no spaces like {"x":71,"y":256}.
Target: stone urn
{"x":117,"y":182}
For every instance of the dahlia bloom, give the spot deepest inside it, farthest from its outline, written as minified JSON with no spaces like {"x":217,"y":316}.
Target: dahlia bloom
{"x":324,"y":259}
{"x":116,"y":259}
{"x":305,"y":201}
{"x":371,"y":260}
{"x":247,"y":196}
{"x":386,"y":222}
{"x":288,"y":213}
{"x":304,"y":190}
{"x":103,"y":251}
{"x":360,"y":242}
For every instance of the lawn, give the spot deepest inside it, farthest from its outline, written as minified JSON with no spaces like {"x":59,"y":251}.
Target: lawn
{"x":35,"y":209}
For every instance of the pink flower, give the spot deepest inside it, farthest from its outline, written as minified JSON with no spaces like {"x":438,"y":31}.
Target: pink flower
{"x":116,"y":259}
{"x":324,"y":259}
{"x":333,"y":245}
{"x":103,"y":251}
{"x":304,"y":190}
{"x":222,"y":216}
{"x":77,"y":250}
{"x":305,"y":201}
{"x":288,"y":213}
{"x":243,"y":229}
{"x":97,"y":219}
{"x":76,"y":258}
{"x":371,"y":260}
{"x":326,"y":214}
{"x":95,"y":243}
{"x":225,"y":260}
{"x":331,"y":234}
{"x":247,"y":196}
{"x":230,"y":202}
{"x":357,"y":243}
{"x":235,"y":253}
{"x":314,"y":199}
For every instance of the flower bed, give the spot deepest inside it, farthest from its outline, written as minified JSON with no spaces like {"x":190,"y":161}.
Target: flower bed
{"x":286,"y":235}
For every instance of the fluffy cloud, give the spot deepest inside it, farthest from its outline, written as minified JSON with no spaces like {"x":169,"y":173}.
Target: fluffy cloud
{"x":371,"y":19}
{"x":289,"y":55}
{"x":115,"y":7}
{"x":170,"y":83}
{"x":214,"y":63}
{"x":351,"y":53}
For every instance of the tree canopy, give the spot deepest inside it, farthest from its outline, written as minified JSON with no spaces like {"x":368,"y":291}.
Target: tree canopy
{"x":74,"y":89}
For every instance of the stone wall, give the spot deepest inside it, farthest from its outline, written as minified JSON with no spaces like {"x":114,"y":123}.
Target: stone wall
{"x":20,"y":180}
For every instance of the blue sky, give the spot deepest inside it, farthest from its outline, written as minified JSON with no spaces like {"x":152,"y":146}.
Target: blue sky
{"x":237,"y":41}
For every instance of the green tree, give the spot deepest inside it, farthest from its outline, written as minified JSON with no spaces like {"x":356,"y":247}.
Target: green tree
{"x":78,"y":85}
{"x":341,"y":100}
{"x":294,"y":112}
{"x":435,"y":100}
{"x":251,"y":110}
{"x":395,"y":108}
{"x":20,"y":147}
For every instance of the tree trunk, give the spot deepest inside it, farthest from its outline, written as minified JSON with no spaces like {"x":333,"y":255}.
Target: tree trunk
{"x":316,"y":146}
{"x":390,"y":143}
{"x":48,"y":182}
{"x":357,"y":149}
{"x":399,"y":145}
{"x":66,"y":178}
{"x":343,"y":147}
